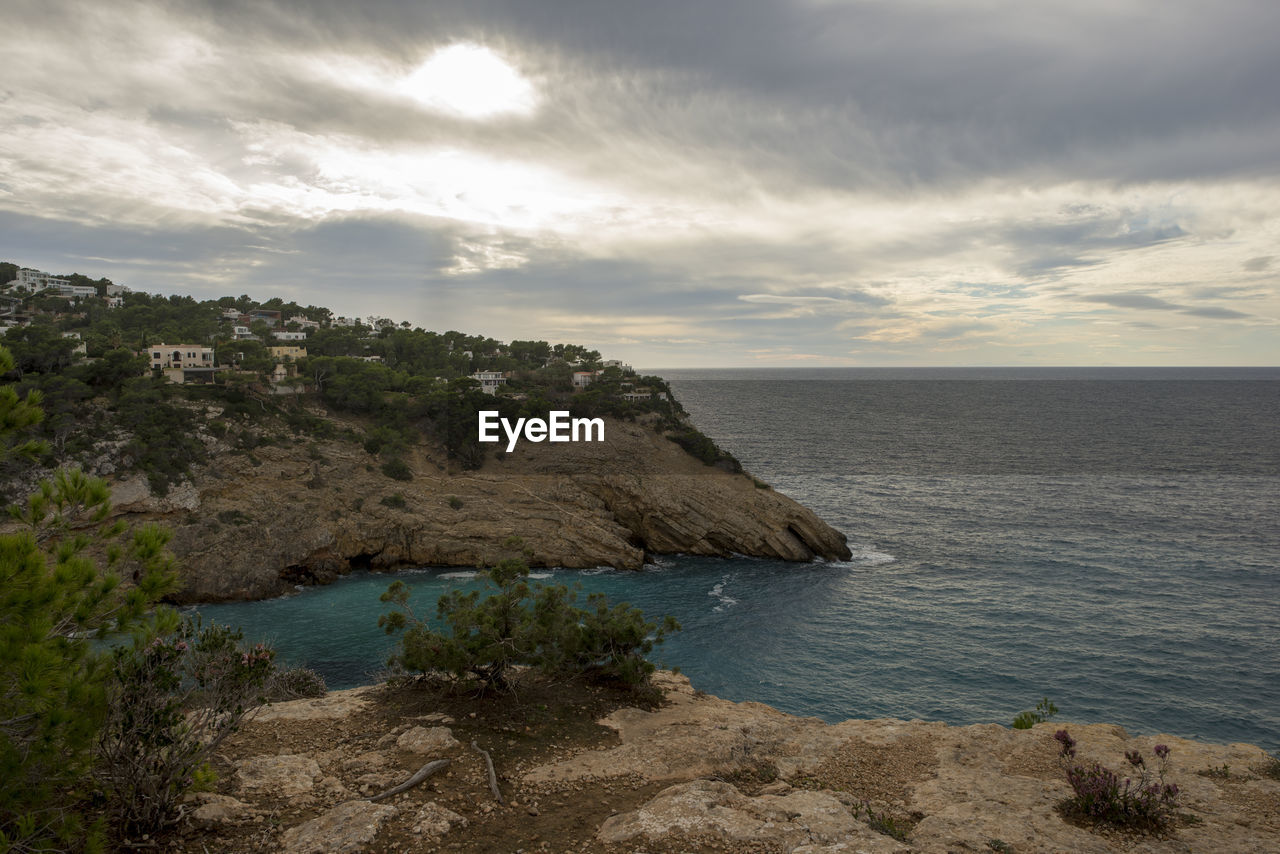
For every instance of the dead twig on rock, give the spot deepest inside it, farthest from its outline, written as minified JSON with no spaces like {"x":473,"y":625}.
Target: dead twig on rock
{"x":493,"y":778}
{"x":423,"y":773}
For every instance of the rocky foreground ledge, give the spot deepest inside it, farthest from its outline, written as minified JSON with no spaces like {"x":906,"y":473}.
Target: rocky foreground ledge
{"x":694,"y":773}
{"x":252,"y":526}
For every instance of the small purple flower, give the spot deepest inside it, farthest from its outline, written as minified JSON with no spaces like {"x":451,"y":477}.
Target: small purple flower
{"x":1134,"y":758}
{"x":1162,"y":750}
{"x":1068,"y":743}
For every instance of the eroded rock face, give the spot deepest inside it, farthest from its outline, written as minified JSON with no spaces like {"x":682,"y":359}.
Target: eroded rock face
{"x":348,"y":827}
{"x":253,"y":531}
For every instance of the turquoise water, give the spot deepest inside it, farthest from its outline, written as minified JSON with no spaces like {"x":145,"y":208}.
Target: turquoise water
{"x":1109,"y":542}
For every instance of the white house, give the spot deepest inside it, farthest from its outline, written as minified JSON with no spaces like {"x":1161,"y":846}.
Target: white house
{"x":35,"y":280}
{"x":346,"y":321}
{"x":281,"y":335}
{"x":181,"y":363}
{"x":242,"y":333}
{"x":180,"y":356}
{"x":74,"y":291}
{"x":582,"y":379}
{"x":114,"y":290}
{"x":490,"y":380}
{"x":619,"y":364}
{"x":303,"y":322}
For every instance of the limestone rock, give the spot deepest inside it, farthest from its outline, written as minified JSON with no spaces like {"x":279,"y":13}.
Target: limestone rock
{"x":719,"y":809}
{"x":573,"y":505}
{"x":373,"y":760}
{"x":967,"y":786}
{"x":699,"y":735}
{"x":346,"y":828}
{"x":435,"y":820}
{"x":427,"y":741}
{"x":332,"y":706}
{"x":215,"y":810}
{"x":283,"y":775}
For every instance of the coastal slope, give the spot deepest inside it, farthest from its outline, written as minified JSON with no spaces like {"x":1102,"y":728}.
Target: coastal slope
{"x":294,"y":511}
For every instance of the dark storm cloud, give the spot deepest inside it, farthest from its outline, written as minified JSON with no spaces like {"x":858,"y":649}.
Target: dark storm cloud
{"x":855,"y":94}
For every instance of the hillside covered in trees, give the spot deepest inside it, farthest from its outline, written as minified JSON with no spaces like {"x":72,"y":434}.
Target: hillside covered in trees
{"x":107,"y":409}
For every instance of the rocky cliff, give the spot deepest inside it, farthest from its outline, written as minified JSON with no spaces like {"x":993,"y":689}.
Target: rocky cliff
{"x":253,"y":525}
{"x":696,"y":774}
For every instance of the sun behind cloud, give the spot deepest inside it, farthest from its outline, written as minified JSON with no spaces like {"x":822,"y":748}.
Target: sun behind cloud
{"x":471,"y":81}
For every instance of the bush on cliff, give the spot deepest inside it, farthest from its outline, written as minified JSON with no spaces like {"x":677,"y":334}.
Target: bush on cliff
{"x":483,"y":635}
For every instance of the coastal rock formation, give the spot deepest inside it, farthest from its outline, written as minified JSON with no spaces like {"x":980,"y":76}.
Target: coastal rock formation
{"x":300,"y":511}
{"x":704,"y":774}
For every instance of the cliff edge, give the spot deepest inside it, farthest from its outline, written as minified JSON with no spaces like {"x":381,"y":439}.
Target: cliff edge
{"x":302,"y":511}
{"x":581,"y":770}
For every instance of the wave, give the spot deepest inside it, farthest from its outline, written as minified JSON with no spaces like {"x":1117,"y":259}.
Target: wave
{"x":717,"y":593}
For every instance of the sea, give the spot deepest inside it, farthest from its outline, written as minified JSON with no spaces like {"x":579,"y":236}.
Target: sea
{"x":1108,"y":538}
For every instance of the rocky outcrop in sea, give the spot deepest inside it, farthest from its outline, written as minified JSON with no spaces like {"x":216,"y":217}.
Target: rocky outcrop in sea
{"x":302,"y":511}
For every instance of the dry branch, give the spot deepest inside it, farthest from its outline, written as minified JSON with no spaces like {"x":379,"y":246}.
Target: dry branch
{"x":493,"y":778}
{"x":423,"y":773}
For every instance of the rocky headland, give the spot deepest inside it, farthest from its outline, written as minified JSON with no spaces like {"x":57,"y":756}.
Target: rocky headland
{"x":304,"y":511}
{"x":580,"y":770}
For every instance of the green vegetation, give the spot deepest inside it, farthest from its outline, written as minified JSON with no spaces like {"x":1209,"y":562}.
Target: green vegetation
{"x":1044,"y":711}
{"x":174,"y":696}
{"x":397,"y":469}
{"x":87,"y":732}
{"x":404,"y":386}
{"x":482,"y":636}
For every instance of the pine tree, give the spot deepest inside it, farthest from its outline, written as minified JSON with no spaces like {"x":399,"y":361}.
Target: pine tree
{"x":54,"y":601}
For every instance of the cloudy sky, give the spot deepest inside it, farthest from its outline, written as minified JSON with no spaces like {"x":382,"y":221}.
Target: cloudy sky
{"x":674,"y":182}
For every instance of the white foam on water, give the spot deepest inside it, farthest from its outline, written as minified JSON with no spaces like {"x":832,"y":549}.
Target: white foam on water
{"x":717,"y":593}
{"x":596,"y":570}
{"x":864,"y":556}
{"x":461,"y":573}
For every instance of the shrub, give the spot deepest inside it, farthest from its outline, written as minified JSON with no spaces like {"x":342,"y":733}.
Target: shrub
{"x":397,"y":469}
{"x":296,"y":683}
{"x":395,"y":500}
{"x":174,"y":696}
{"x":1103,"y":797}
{"x":1044,"y":711}
{"x":455,"y":502}
{"x":697,"y":444}
{"x":484,"y":636}
{"x":54,"y":602}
